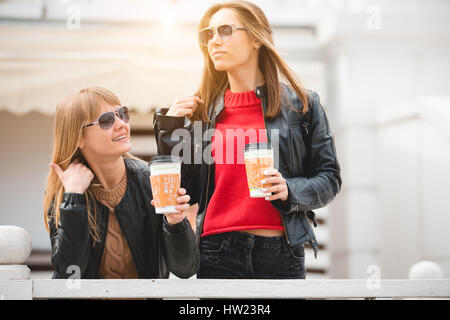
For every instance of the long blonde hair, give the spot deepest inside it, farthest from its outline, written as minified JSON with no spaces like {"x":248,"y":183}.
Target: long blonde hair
{"x":214,"y":83}
{"x":72,"y":113}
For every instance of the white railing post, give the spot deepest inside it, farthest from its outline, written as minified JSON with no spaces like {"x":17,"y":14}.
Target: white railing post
{"x":15,"y":248}
{"x":425,"y":269}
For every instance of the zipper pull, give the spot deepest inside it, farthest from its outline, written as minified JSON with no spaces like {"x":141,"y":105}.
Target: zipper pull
{"x":306,"y":125}
{"x":311,"y":215}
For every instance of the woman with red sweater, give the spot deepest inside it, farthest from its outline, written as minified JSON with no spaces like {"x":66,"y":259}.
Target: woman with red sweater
{"x":242,"y":101}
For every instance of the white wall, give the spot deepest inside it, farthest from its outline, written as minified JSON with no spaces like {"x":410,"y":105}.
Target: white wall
{"x":369,"y":69}
{"x":26,"y":144}
{"x":414,"y":154}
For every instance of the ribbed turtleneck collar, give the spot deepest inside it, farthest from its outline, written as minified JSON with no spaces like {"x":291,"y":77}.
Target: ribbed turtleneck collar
{"x":111,"y":195}
{"x":241,"y":99}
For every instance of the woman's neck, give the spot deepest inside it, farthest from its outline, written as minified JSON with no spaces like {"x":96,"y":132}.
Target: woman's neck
{"x":108,"y":172}
{"x":245,"y":78}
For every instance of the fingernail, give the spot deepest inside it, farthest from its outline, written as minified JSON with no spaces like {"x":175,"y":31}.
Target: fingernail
{"x":267,"y":198}
{"x":266,"y":173}
{"x":264,"y":189}
{"x":263,"y":181}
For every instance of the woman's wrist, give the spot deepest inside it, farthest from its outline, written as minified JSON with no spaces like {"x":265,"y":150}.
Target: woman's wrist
{"x":171,"y":220}
{"x":174,"y":228}
{"x":74,"y":198}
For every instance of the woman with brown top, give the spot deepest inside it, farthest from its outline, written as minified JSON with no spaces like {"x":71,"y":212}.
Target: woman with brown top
{"x":98,"y":203}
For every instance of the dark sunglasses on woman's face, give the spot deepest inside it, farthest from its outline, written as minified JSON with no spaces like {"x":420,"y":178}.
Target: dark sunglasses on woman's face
{"x":225,"y":31}
{"x":107,"y":119}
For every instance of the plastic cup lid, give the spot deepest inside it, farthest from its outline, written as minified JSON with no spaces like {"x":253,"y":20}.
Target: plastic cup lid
{"x":164,"y":159}
{"x":259,"y":145}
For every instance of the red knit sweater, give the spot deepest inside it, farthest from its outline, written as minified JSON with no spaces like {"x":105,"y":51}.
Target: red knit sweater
{"x":230,"y":207}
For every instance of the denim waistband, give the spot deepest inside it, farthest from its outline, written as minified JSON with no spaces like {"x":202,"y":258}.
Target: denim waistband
{"x":243,"y":237}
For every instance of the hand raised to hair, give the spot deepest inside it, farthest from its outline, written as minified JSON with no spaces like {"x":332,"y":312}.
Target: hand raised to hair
{"x":184,"y":106}
{"x":76,"y":178}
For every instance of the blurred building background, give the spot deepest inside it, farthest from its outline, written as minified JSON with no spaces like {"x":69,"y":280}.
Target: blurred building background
{"x":381,"y":68}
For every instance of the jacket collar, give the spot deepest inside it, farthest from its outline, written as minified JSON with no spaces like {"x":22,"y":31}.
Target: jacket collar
{"x":217,"y":106}
{"x":261,"y":91}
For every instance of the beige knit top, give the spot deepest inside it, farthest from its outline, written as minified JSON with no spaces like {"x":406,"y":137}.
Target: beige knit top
{"x":117,"y":261}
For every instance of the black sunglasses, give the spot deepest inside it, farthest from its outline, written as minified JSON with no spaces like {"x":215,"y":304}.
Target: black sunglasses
{"x":107,"y":119}
{"x":225,"y":31}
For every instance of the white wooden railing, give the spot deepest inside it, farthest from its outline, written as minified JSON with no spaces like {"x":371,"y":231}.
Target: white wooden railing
{"x":15,"y":283}
{"x":218,"y":289}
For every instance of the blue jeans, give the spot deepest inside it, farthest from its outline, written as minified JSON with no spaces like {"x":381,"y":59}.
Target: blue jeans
{"x":239,"y":255}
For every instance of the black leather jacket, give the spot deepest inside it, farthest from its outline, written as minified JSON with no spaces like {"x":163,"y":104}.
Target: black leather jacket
{"x":307,"y":160}
{"x":157,"y":247}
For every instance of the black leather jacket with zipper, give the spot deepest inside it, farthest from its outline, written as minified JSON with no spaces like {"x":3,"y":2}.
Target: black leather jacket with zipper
{"x":157,"y":247}
{"x":306,"y":158}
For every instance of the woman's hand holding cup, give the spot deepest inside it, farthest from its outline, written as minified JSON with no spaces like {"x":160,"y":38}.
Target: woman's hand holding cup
{"x":279,"y":187}
{"x":182,"y":207}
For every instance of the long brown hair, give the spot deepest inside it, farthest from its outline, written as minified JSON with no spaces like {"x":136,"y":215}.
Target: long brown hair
{"x":273,"y":67}
{"x":72,"y":113}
